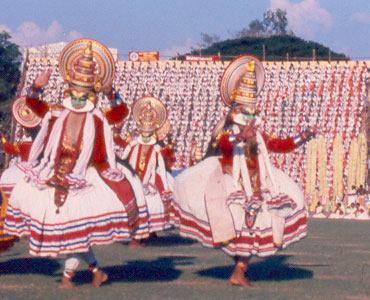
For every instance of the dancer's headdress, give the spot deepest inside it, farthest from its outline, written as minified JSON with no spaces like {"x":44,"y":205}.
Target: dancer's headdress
{"x":149,"y":114}
{"x":23,"y":114}
{"x":164,"y":130}
{"x":240,"y":85}
{"x":242,"y":81}
{"x":86,"y":65}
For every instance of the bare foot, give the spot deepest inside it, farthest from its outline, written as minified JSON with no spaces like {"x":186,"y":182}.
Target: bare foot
{"x":6,"y":245}
{"x":133,"y":244}
{"x":238,"y":277}
{"x":99,"y":278}
{"x":66,"y":283}
{"x":278,"y":246}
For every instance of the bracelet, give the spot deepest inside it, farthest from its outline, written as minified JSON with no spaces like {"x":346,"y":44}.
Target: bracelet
{"x":117,"y":98}
{"x":232,"y":138}
{"x":298,"y":140}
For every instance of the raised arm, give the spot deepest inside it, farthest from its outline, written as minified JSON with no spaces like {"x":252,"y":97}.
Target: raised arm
{"x":33,"y":101}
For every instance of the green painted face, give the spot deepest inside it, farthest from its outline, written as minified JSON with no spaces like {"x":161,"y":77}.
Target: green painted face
{"x":248,"y":114}
{"x":146,"y":137}
{"x":78,"y":99}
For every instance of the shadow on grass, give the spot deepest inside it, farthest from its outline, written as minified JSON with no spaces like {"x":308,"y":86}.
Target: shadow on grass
{"x":273,"y":268}
{"x":161,"y":269}
{"x":29,"y":266}
{"x":168,"y":240}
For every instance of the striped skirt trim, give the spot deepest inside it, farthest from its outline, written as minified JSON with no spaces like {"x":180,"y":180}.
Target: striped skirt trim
{"x":75,"y":235}
{"x":249,"y":242}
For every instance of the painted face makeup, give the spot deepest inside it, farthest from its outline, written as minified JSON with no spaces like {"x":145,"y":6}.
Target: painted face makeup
{"x":78,"y":99}
{"x":248,"y":114}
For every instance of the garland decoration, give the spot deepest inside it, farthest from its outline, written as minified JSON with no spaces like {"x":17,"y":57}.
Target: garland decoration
{"x":311,"y":173}
{"x":361,"y":167}
{"x":352,"y":164}
{"x":337,"y":169}
{"x":322,"y":165}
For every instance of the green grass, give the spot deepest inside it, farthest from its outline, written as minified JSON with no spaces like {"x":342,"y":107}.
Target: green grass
{"x":333,"y":262}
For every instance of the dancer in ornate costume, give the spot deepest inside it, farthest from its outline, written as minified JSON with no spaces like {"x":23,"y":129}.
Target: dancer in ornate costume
{"x":28,"y":127}
{"x":74,"y":194}
{"x":236,"y":199}
{"x":145,"y":155}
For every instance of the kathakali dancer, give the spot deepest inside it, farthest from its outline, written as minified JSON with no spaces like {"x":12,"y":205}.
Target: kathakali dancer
{"x":235,"y":198}
{"x":149,"y":158}
{"x":73,"y":193}
{"x":28,"y":125}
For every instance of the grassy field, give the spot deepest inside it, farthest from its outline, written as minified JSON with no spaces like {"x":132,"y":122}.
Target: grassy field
{"x":333,"y":262}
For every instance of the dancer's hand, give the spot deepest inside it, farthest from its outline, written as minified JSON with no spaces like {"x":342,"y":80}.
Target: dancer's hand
{"x":249,"y":130}
{"x":42,"y":79}
{"x":107,"y":88}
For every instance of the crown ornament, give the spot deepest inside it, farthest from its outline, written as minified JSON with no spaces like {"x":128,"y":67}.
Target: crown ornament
{"x":242,"y":81}
{"x":149,"y":114}
{"x":87,"y":65}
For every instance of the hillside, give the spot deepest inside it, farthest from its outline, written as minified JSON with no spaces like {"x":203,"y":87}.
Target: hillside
{"x":278,"y":47}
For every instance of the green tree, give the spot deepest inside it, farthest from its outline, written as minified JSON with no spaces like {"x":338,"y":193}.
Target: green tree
{"x":281,"y":22}
{"x":10,"y":60}
{"x":275,"y":23}
{"x":208,"y":40}
{"x":255,"y":29}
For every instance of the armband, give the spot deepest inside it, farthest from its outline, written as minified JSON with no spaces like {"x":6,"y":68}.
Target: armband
{"x":33,"y":92}
{"x":302,"y":138}
{"x":298,"y":140}
{"x":115,"y":98}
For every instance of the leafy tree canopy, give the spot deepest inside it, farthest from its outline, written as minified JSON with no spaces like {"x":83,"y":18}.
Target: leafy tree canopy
{"x":273,"y":23}
{"x":10,"y":60}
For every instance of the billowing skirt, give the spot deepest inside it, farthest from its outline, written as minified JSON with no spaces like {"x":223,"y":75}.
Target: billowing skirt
{"x":158,"y":205}
{"x":8,"y":180}
{"x":192,"y":215}
{"x":91,"y":215}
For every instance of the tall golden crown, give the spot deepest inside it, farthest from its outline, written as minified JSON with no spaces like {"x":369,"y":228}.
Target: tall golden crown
{"x":83,"y":77}
{"x":86,"y":65}
{"x":245,"y":91}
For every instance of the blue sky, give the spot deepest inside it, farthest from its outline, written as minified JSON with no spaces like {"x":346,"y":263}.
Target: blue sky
{"x":174,"y":26}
